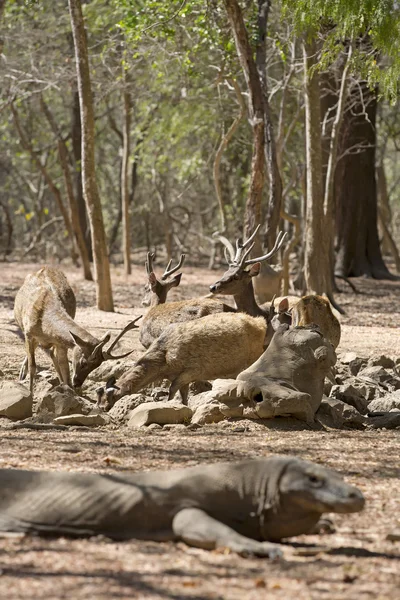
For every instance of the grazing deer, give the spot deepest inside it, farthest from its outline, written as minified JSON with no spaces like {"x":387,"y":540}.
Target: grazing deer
{"x":161,"y":314}
{"x":237,"y":281}
{"x":44,"y":310}
{"x":216,"y":346}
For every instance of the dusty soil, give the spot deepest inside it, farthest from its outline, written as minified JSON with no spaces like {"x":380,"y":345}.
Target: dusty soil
{"x":355,"y":562}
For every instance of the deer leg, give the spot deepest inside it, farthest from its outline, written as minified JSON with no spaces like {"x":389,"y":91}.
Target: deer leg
{"x":30,"y":346}
{"x":59,"y":357}
{"x":24,"y":369}
{"x":179,"y":384}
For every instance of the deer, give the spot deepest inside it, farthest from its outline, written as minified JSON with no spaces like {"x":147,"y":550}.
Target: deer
{"x":162,"y":314}
{"x":292,"y":310}
{"x":217,"y":346}
{"x":44,"y":309}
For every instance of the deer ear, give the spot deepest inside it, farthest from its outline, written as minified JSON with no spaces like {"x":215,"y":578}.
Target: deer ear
{"x":283,"y":305}
{"x":79,"y":341}
{"x":175,"y":281}
{"x":255,"y":269}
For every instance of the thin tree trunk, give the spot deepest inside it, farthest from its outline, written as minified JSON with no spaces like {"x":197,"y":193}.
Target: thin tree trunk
{"x":126,"y":233}
{"x":274,"y":177}
{"x":256,"y":112}
{"x":90,"y":190}
{"x":317,"y":268}
{"x":73,"y":205}
{"x":384,"y":215}
{"x":76,"y":137}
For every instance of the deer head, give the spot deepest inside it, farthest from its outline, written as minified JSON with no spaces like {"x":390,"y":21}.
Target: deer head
{"x":241,"y":269}
{"x":156,"y":290}
{"x":88,"y":356}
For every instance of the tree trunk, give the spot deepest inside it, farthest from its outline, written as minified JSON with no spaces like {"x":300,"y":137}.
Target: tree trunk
{"x":274,"y":177}
{"x":256,"y":112}
{"x":317,"y":268}
{"x":126,"y":232}
{"x":358,"y":250}
{"x":90,"y":190}
{"x":76,"y":136}
{"x":73,"y":206}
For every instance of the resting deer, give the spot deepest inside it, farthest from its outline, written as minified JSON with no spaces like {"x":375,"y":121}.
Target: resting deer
{"x":237,"y":281}
{"x":44,"y":310}
{"x":161,"y":314}
{"x":216,"y":346}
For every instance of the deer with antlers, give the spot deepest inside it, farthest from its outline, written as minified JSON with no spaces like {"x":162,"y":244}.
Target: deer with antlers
{"x":293,"y":310}
{"x":44,"y":310}
{"x":162,"y":314}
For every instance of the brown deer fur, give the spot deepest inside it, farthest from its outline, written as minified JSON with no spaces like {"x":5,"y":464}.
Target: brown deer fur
{"x":44,"y":310}
{"x":216,"y":346}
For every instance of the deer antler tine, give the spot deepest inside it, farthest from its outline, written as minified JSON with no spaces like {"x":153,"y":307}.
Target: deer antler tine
{"x":278,"y":244}
{"x":228,"y":247}
{"x":168,"y":271}
{"x":149,"y":262}
{"x":246,"y":253}
{"x":251,"y":238}
{"x":131,"y":325}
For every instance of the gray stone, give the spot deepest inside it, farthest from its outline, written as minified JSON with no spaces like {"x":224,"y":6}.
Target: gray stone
{"x":380,"y":375}
{"x":88,"y":420}
{"x":381,"y":361}
{"x":62,"y":401}
{"x":390,"y":420}
{"x":154,"y":427}
{"x":347,"y":358}
{"x":337,"y":414}
{"x":208,"y":413}
{"x":355,"y":396}
{"x":386,"y":403}
{"x":159,"y":412}
{"x":15,"y":401}
{"x":394,"y":536}
{"x":195,"y":402}
{"x":122,"y":409}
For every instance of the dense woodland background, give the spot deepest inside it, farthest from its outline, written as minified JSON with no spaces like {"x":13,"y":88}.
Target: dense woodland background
{"x":201,"y":118}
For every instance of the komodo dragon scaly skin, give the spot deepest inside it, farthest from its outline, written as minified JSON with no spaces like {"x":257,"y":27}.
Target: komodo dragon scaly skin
{"x":241,"y":506}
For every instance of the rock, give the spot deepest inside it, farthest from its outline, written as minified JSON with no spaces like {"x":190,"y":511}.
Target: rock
{"x":159,"y":393}
{"x":174,"y":427}
{"x":381,"y":361}
{"x":159,"y":412}
{"x":347,"y":358}
{"x":15,"y":401}
{"x":48,"y":376}
{"x":154,"y":427}
{"x":224,"y":389}
{"x":122,"y":409}
{"x":390,"y":420}
{"x":62,"y":401}
{"x":2,"y":373}
{"x":199,"y":400}
{"x":88,"y":420}
{"x":208,"y":413}
{"x":380,"y":375}
{"x":110,"y":368}
{"x":337,"y":414}
{"x":355,"y":396}
{"x":198,"y":387}
{"x":386,"y":403}
{"x":394,"y":536}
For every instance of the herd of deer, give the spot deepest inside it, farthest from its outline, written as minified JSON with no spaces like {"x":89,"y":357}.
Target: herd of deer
{"x":187,"y":341}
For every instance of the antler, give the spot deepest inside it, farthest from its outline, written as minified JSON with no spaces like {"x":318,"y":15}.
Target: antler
{"x":149,"y":262}
{"x":168,"y":271}
{"x":228,"y":246}
{"x":107,"y":353}
{"x":278,"y":244}
{"x":243,"y":249}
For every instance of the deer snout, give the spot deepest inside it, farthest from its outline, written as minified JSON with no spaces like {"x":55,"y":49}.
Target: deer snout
{"x":214,"y":288}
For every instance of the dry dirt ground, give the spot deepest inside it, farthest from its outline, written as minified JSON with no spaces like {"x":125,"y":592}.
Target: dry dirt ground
{"x":355,"y":562}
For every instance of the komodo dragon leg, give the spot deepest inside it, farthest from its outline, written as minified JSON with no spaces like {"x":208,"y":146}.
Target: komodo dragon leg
{"x":197,"y":528}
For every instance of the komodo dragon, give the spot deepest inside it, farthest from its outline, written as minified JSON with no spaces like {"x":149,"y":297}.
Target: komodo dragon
{"x":232,"y":505}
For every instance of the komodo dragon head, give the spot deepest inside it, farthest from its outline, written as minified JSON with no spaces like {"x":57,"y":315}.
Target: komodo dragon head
{"x":311,"y":487}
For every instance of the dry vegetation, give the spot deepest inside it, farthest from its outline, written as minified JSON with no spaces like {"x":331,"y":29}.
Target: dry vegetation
{"x":355,"y":562}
